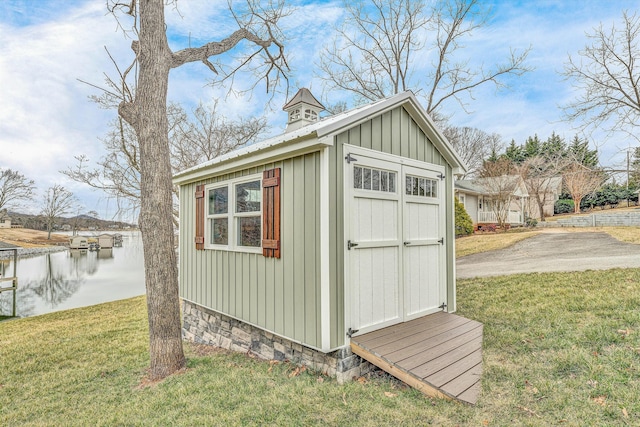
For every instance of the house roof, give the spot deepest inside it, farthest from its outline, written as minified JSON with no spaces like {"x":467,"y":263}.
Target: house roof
{"x":488,"y":186}
{"x":7,"y":246}
{"x":468,"y":186}
{"x":320,"y":134}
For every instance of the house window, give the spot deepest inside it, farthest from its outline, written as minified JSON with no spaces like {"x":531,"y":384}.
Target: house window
{"x":374,"y":179}
{"x":462,"y":199}
{"x":294,"y":115}
{"x":234,"y":215}
{"x":421,"y":187}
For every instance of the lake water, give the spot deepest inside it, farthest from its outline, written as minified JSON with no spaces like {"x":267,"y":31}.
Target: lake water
{"x":73,"y":278}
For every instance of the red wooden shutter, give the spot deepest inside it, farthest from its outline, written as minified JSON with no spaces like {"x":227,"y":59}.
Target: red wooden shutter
{"x":271,"y":213}
{"x":199,"y":240}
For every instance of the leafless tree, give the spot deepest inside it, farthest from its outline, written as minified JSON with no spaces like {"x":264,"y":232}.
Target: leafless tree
{"x":542,"y":175}
{"x":606,"y":77}
{"x":210,"y":135}
{"x":145,"y":109}
{"x":58,"y":201}
{"x":580,"y":180}
{"x":193,"y":140}
{"x":373,"y":53}
{"x":473,"y":145}
{"x":500,"y":179}
{"x":14,"y":188}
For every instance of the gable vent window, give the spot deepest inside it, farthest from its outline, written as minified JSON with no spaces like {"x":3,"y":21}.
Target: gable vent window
{"x":310,"y":115}
{"x":374,"y":179}
{"x":421,"y":187}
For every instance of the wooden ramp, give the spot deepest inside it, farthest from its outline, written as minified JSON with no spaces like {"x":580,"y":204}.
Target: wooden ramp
{"x":439,"y":354}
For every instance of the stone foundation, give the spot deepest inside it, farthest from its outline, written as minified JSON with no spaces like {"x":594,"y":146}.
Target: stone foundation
{"x":205,"y":326}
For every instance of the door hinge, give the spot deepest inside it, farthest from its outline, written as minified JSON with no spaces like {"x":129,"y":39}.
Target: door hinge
{"x":350,"y":245}
{"x":349,"y":158}
{"x":350,"y":332}
{"x":441,"y":241}
{"x":442,"y":177}
{"x":442,"y":306}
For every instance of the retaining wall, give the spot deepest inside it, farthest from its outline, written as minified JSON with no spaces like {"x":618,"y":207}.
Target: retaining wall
{"x":604,"y":219}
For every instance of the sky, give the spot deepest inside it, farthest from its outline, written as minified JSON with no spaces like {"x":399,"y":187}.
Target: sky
{"x":49,"y":47}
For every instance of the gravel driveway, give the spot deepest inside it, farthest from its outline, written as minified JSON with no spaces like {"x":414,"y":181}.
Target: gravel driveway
{"x":555,"y":251}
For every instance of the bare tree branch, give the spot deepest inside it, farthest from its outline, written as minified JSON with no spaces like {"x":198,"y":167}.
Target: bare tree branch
{"x":606,"y":77}
{"x":373,"y":53}
{"x":14,"y":188}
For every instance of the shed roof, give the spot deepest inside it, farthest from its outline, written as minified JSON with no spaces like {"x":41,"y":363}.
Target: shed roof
{"x":319,"y":134}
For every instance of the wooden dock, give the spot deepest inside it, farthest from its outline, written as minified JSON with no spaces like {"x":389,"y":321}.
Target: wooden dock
{"x":13,"y":279}
{"x":439,"y":354}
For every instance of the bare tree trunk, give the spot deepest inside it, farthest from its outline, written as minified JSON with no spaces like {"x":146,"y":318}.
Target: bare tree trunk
{"x":148,"y":116}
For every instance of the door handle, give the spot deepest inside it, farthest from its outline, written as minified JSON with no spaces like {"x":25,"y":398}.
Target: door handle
{"x":407,"y":243}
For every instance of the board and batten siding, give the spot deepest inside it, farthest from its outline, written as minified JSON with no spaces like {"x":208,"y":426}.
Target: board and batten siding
{"x":394,"y":132}
{"x":266,"y":292}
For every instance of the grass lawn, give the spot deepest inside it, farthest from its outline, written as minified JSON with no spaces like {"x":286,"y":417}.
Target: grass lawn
{"x":559,"y":349}
{"x":481,"y":242}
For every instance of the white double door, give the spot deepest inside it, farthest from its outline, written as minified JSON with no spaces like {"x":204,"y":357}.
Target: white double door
{"x":394,"y":223}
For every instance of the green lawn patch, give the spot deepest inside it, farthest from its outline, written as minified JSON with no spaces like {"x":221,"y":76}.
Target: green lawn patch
{"x":559,"y":349}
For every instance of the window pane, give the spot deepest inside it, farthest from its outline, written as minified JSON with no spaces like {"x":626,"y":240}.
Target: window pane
{"x":249,"y":231}
{"x":248,"y":197}
{"x":220,"y":231}
{"x":384,"y":181}
{"x":367,"y":179}
{"x":407,"y":185}
{"x":375,"y":178}
{"x":218,"y":200}
{"x":422,"y":187}
{"x":357,"y":177}
{"x":434,"y":188}
{"x":392,"y":182}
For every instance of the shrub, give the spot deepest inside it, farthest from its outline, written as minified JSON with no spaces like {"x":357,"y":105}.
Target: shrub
{"x":531,"y":222}
{"x":464,"y":225}
{"x":564,"y":206}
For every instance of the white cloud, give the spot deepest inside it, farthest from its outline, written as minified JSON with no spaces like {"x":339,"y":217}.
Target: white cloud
{"x":46,"y":118}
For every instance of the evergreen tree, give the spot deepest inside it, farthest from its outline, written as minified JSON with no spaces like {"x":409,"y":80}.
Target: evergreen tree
{"x":554,"y":146}
{"x":532,"y":147}
{"x":579,"y":150}
{"x":515,"y":153}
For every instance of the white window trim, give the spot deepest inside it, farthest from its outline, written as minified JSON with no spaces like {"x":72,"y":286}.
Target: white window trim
{"x":231,"y":215}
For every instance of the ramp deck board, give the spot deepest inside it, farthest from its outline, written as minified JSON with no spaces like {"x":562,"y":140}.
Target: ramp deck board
{"x":439,"y":354}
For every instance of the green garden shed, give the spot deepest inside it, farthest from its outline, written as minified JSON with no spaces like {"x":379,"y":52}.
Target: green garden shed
{"x":315,"y":244}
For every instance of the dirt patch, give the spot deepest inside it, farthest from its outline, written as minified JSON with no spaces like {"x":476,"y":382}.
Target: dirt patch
{"x":28,"y":238}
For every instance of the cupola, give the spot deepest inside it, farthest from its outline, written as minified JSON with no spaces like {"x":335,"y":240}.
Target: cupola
{"x":302,"y":109}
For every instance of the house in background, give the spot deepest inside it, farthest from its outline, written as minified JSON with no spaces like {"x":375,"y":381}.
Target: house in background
{"x":5,"y":221}
{"x":328,"y":244}
{"x":485,"y":198}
